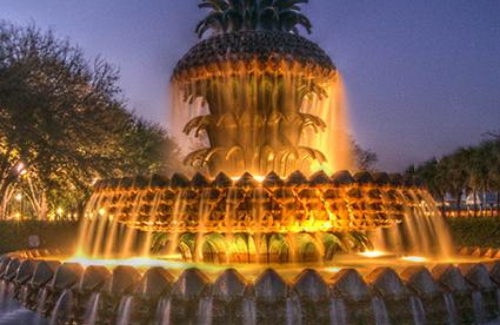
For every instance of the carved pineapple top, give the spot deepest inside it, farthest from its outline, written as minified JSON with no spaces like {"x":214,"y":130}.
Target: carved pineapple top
{"x":266,"y":47}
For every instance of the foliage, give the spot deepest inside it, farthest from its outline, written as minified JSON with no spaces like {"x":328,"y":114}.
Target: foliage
{"x":237,"y":15}
{"x":470,"y":170}
{"x":146,"y":148}
{"x":63,"y":122}
{"x":475,"y":232}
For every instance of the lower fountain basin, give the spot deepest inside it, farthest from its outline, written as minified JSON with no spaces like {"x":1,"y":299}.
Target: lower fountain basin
{"x":351,"y":290}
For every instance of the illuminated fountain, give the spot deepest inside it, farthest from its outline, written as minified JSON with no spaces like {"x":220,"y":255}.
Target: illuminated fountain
{"x":271,"y":230}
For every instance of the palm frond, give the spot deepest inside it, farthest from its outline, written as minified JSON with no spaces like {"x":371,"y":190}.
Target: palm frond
{"x":289,"y":4}
{"x":235,"y":15}
{"x":234,"y":19}
{"x":215,"y":21}
{"x":266,"y":3}
{"x":219,"y":5}
{"x":305,"y":22}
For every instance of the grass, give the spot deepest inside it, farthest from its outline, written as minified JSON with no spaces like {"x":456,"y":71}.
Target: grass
{"x":476,"y":232}
{"x":14,"y":234}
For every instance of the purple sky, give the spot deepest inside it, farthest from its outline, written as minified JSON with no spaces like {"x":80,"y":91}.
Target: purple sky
{"x":423,"y":76}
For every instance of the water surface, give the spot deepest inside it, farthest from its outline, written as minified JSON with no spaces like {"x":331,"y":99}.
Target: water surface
{"x":11,"y":313}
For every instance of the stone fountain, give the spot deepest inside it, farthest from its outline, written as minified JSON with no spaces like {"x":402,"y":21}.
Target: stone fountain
{"x":266,"y":232}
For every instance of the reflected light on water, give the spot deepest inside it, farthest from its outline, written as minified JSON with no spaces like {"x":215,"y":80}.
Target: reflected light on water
{"x":373,"y":254}
{"x":258,"y":178}
{"x":415,"y":259}
{"x":169,"y":261}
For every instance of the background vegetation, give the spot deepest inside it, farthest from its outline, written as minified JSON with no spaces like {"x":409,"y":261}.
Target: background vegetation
{"x":472,"y":170}
{"x":475,"y":232}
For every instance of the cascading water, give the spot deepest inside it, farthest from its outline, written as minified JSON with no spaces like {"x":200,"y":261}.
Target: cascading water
{"x":423,"y":231}
{"x":267,"y":221}
{"x":2,"y":292}
{"x":380,"y":315}
{"x":205,"y":311}
{"x":497,"y":295}
{"x":163,"y":312}
{"x":125,"y":310}
{"x":92,"y":309}
{"x":338,"y":314}
{"x":451,"y":309}
{"x":260,"y":122}
{"x":418,"y":311}
{"x":293,"y":311}
{"x":63,"y":309}
{"x":249,"y":312}
{"x":41,"y":300}
{"x":479,"y":310}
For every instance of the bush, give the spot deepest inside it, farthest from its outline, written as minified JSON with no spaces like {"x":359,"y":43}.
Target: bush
{"x":475,"y":232}
{"x":14,"y":235}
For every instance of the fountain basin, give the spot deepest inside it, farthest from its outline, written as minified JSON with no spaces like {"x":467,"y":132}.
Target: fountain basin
{"x":385,"y":291}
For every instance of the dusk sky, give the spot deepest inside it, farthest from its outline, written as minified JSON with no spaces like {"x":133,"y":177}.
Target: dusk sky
{"x":422,"y":76}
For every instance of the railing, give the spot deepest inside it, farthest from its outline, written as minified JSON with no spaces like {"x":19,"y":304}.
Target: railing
{"x":486,"y":213}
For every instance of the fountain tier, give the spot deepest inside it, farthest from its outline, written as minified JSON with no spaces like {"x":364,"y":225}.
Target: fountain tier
{"x":331,"y":204}
{"x":256,"y":95}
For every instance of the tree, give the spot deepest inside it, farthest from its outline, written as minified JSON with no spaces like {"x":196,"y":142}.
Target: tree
{"x":62,"y":120}
{"x":494,"y":172}
{"x":474,"y":170}
{"x":148,"y":149}
{"x":363,"y":159}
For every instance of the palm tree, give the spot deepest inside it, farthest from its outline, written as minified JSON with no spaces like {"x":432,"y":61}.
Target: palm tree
{"x":434,"y":176}
{"x":237,"y":15}
{"x":471,"y":162}
{"x":492,"y":155}
{"x":471,"y":170}
{"x":456,"y":175}
{"x":495,"y":173}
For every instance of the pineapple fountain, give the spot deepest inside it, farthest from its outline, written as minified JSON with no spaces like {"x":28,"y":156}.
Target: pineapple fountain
{"x":271,"y":230}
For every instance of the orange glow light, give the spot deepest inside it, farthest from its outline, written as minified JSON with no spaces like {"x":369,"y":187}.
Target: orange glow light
{"x":414,"y":259}
{"x":372,"y":254}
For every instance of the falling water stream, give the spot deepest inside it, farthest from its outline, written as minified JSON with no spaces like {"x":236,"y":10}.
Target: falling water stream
{"x":125,"y":310}
{"x":92,"y":309}
{"x":63,"y":309}
{"x":163,"y":312}
{"x":205,"y":311}
{"x":451,"y":309}
{"x":497,"y":295}
{"x":249,"y":312}
{"x":418,"y":311}
{"x":423,"y":231}
{"x":338,"y":314}
{"x":380,"y":314}
{"x":41,"y":300}
{"x":479,"y":310}
{"x":251,"y":128}
{"x":293,"y":311}
{"x":12,"y":313}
